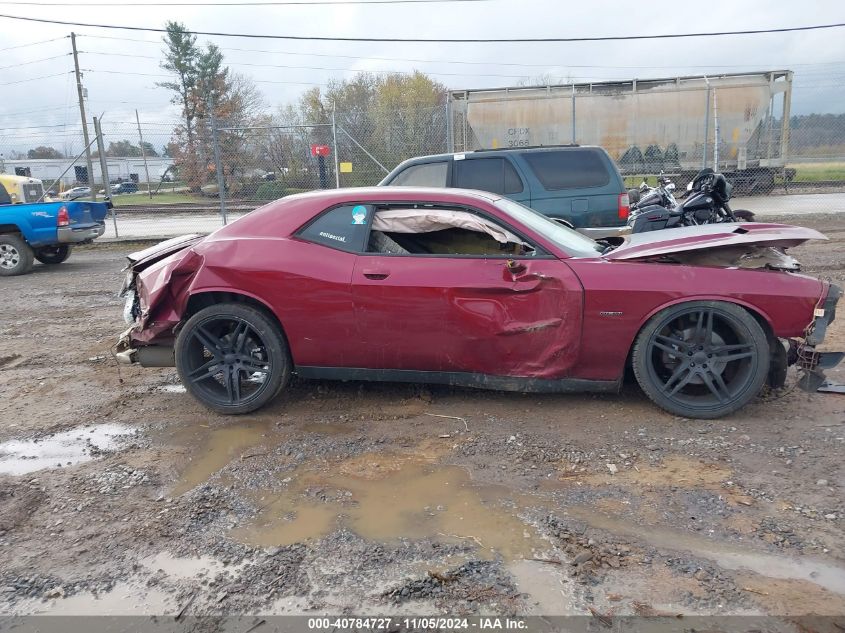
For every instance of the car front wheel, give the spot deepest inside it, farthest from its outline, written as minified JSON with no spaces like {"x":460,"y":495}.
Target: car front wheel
{"x":701,"y":359}
{"x":53,"y":254}
{"x":232,"y":358}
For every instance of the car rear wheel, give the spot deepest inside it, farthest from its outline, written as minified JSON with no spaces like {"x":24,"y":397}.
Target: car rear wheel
{"x":53,"y":254}
{"x":15,"y":256}
{"x":232,"y":358}
{"x":701,"y":359}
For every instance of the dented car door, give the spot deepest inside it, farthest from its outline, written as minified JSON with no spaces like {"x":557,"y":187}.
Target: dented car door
{"x":495,"y":316}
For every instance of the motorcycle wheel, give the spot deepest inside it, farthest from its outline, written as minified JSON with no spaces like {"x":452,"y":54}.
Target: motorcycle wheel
{"x":744,"y":215}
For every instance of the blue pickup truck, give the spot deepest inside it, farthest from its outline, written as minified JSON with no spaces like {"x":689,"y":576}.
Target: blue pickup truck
{"x":46,"y":231}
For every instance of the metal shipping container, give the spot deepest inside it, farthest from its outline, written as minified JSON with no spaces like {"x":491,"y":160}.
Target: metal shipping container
{"x":645,"y":125}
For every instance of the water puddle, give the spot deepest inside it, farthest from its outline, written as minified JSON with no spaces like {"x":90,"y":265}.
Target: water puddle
{"x":178,"y":568}
{"x":385,"y":497}
{"x":213,"y":448}
{"x":133,"y":597}
{"x":724,"y":554}
{"x":125,"y":598}
{"x":545,"y":589}
{"x":68,"y":448}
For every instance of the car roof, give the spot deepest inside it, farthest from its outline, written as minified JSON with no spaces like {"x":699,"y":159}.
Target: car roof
{"x":286,"y":215}
{"x":498,"y":150}
{"x":395,"y":194}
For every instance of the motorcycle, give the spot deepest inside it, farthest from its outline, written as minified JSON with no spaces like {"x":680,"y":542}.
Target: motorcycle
{"x":706,"y":202}
{"x":662,"y":194}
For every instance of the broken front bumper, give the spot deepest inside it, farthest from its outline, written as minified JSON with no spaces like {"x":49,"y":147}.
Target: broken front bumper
{"x":811,"y":361}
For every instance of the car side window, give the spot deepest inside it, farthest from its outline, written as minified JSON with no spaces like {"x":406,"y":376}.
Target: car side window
{"x":344,"y":228}
{"x":495,"y":175}
{"x":568,"y":169}
{"x":443,"y":232}
{"x":5,"y":198}
{"x":424,"y":175}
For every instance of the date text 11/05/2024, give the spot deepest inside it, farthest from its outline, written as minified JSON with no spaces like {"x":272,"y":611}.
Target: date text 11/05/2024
{"x":417,"y":623}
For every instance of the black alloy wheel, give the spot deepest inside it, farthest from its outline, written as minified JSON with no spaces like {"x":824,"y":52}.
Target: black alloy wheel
{"x":232,"y":358}
{"x":701,"y":359}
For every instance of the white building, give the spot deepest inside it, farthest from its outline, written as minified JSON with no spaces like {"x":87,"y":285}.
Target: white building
{"x":49,"y":169}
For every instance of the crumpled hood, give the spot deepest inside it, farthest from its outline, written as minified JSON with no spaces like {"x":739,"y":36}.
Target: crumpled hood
{"x":711,"y":236}
{"x":140,"y":260}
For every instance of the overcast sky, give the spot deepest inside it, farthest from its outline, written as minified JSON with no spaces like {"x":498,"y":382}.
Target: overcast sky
{"x":817,"y":57}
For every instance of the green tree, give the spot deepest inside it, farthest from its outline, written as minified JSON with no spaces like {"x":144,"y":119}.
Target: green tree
{"x":149,"y":150}
{"x":201,"y":81}
{"x":122,"y":148}
{"x":181,"y":56}
{"x":44,"y":152}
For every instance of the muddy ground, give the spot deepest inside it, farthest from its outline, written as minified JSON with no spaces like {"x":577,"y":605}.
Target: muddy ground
{"x":396,"y":499}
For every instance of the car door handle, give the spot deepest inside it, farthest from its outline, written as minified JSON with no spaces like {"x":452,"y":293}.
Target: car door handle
{"x":514,"y":267}
{"x":376,"y":274}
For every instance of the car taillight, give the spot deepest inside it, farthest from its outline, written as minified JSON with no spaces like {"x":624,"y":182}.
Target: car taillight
{"x":624,"y":206}
{"x":63,"y":219}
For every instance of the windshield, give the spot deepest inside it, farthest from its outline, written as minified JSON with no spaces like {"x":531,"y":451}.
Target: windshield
{"x":572,"y":242}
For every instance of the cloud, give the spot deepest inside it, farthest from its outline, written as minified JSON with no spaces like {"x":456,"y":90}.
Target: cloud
{"x":812,"y":55}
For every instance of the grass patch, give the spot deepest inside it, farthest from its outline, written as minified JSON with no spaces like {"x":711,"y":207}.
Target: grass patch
{"x":804,"y":173}
{"x":815,"y":172}
{"x":160,"y":198}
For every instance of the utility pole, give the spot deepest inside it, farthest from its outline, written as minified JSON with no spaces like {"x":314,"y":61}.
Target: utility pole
{"x":706,"y":125}
{"x":336,"y":157}
{"x":104,"y":169}
{"x":221,"y":181}
{"x":716,"y":132}
{"x":144,"y":154}
{"x":82,"y":116}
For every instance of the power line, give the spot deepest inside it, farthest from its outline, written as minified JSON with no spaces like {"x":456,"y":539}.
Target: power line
{"x":34,"y":61}
{"x":322,"y":38}
{"x":34,"y":111}
{"x":42,"y":127}
{"x":463,"y":62}
{"x":230,"y":4}
{"x":9,"y":83}
{"x":292,"y":67}
{"x":76,"y":128}
{"x":55,"y":39}
{"x":260,"y":81}
{"x":405,"y":72}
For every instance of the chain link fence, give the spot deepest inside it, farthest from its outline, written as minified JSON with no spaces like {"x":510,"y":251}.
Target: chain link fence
{"x":168,"y":180}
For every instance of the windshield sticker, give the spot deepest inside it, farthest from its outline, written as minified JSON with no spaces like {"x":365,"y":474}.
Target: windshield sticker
{"x":359,"y":214}
{"x":331,"y":236}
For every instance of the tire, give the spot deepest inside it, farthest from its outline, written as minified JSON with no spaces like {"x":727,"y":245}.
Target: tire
{"x":16,"y":256}
{"x":742,"y":215}
{"x":233,"y":358}
{"x":53,"y":254}
{"x":701,"y":359}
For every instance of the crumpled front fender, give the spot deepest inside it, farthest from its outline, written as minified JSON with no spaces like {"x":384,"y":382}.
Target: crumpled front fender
{"x":163,"y":290}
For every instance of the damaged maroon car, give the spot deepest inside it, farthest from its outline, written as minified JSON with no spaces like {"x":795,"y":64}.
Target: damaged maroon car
{"x":469,"y":288}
